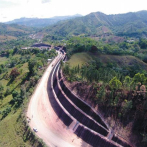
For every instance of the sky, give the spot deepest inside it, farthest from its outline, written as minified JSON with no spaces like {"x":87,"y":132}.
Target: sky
{"x":14,"y":9}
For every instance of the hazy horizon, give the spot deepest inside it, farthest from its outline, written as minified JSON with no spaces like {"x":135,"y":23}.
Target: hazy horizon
{"x":15,"y":9}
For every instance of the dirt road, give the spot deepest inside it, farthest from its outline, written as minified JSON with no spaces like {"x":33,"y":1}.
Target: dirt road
{"x":50,"y":128}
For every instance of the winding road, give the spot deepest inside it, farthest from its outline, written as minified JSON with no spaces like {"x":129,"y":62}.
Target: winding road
{"x":43,"y":117}
{"x":62,"y":119}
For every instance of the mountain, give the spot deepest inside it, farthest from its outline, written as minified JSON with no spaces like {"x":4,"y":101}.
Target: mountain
{"x":13,"y":31}
{"x":98,"y":24}
{"x":41,"y":22}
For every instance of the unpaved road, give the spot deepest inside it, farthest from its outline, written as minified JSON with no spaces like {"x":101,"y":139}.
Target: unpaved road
{"x":50,"y":128}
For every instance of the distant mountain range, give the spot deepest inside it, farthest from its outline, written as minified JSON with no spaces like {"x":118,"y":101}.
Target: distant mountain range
{"x":41,"y":22}
{"x":98,"y":24}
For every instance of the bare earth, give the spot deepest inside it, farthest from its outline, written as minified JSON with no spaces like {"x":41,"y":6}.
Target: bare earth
{"x":50,"y":128}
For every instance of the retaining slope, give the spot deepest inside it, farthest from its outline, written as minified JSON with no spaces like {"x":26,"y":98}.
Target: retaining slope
{"x":108,"y":143}
{"x":87,"y":109}
{"x":77,"y":114}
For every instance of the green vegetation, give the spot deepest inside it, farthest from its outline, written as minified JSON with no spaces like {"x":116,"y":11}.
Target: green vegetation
{"x":82,"y":44}
{"x":108,"y":56}
{"x":20,"y":42}
{"x":13,"y":32}
{"x":102,"y":26}
{"x":20,"y":71}
{"x":117,"y":81}
{"x":79,"y":59}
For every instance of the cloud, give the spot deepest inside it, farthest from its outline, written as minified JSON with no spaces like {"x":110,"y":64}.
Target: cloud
{"x":13,"y":9}
{"x":46,"y":1}
{"x":5,"y":4}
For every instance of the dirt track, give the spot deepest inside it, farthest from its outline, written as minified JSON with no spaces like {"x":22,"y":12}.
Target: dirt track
{"x":50,"y":128}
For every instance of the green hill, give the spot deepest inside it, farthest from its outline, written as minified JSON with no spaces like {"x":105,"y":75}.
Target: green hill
{"x":121,"y":61}
{"x":97,"y":24}
{"x":11,"y":32}
{"x":116,"y":85}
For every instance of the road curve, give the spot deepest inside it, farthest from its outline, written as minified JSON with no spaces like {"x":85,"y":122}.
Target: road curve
{"x":50,"y":128}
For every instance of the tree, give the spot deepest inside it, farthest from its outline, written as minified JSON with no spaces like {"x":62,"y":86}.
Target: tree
{"x":8,"y":91}
{"x":15,"y":50}
{"x":127,"y":81}
{"x":1,"y":70}
{"x":94,"y":49}
{"x":66,"y":69}
{"x":139,"y":78}
{"x":145,"y":58}
{"x":1,"y":91}
{"x":143,"y":43}
{"x":14,"y":73}
{"x":15,"y":93}
{"x":100,"y":95}
{"x":6,"y":112}
{"x":23,"y":92}
{"x":32,"y":66}
{"x":115,"y":83}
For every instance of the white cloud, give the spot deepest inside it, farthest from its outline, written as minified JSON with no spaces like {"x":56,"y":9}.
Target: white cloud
{"x":12,"y":9}
{"x":45,"y":1}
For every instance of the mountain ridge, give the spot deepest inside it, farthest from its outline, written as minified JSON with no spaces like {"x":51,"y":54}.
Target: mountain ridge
{"x":126,"y":24}
{"x":41,"y":22}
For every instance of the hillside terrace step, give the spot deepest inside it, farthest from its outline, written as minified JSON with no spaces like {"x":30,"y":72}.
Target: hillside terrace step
{"x":86,"y":129}
{"x":63,"y":85}
{"x":76,"y":112}
{"x":80,"y":104}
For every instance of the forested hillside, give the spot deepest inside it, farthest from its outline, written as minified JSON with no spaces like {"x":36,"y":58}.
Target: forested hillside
{"x":98,"y":24}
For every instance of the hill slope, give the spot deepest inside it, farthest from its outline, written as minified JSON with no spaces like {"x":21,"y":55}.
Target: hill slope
{"x":10,"y":32}
{"x":121,"y":61}
{"x":97,"y":24}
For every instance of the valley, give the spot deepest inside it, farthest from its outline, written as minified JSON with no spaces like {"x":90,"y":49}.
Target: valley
{"x":74,"y":81}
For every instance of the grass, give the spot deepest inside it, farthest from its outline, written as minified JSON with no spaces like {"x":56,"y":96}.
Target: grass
{"x":4,"y":38}
{"x":122,"y":60}
{"x":5,"y":102}
{"x":11,"y":131}
{"x":3,"y":60}
{"x":81,"y":58}
{"x":17,"y":81}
